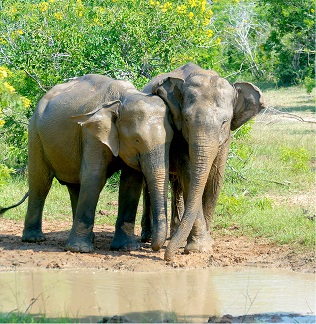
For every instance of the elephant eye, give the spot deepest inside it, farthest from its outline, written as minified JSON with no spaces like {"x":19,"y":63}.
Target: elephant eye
{"x":137,"y":140}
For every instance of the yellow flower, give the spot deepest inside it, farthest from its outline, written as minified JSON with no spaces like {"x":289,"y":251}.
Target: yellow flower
{"x":26,"y":102}
{"x":43,"y":6}
{"x":9,"y":87}
{"x":210,"y":33}
{"x":3,"y":73}
{"x":203,"y":5}
{"x":192,"y":3}
{"x":209,"y":13}
{"x":58,"y":15}
{"x":218,"y":40}
{"x":166,"y":6}
{"x":206,"y":22}
{"x":102,"y":10}
{"x":182,"y":9}
{"x":20,"y":32}
{"x":191,"y":15}
{"x":2,"y":122}
{"x":312,"y":10}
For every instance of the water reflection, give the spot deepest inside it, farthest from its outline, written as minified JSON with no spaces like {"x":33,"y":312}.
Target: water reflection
{"x":185,"y":295}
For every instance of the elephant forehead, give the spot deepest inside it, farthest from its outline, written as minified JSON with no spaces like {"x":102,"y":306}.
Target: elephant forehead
{"x":144,"y":106}
{"x":209,"y":90}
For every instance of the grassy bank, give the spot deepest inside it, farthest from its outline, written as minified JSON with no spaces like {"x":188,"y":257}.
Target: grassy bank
{"x":269,"y":188}
{"x":26,"y":318}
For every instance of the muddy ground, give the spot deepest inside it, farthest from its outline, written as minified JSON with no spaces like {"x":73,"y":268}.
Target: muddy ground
{"x":227,"y":251}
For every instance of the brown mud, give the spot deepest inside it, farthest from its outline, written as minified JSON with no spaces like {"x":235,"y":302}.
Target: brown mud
{"x":228,"y":250}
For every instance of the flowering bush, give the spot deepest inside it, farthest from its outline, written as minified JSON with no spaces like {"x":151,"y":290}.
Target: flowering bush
{"x":47,"y":42}
{"x":14,"y":110}
{"x":56,"y":40}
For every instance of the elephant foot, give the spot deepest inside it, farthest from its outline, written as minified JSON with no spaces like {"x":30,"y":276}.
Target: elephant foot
{"x":76,"y":243}
{"x":169,"y":254}
{"x":124,"y":238}
{"x":33,"y":236}
{"x":127,"y":243}
{"x":200,"y":244}
{"x":145,"y":236}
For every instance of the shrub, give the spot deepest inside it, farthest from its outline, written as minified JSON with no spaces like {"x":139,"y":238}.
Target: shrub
{"x":14,"y":110}
{"x":4,"y":174}
{"x":48,"y":42}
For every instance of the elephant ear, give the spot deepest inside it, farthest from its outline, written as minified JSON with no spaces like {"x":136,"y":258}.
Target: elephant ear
{"x":170,"y":90}
{"x":101,"y":124}
{"x":249,"y":103}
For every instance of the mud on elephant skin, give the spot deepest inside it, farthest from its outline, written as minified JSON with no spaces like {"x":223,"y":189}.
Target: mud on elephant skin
{"x":81,"y":133}
{"x":205,"y":108}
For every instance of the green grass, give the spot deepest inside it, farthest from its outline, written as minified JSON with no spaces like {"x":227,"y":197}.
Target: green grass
{"x":57,"y":205}
{"x":26,"y":318}
{"x":271,"y":195}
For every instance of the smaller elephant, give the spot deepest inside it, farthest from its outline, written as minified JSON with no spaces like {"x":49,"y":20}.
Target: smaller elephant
{"x":205,"y":108}
{"x":81,"y":133}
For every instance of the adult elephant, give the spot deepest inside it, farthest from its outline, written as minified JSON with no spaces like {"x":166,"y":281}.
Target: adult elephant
{"x":80,"y":133}
{"x":205,"y":108}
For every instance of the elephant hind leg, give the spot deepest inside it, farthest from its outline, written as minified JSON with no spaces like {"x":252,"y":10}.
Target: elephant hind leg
{"x":40,"y":180}
{"x":74,"y":190}
{"x":177,"y":204}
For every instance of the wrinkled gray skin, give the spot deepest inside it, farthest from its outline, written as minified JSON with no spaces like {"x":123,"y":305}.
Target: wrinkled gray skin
{"x":80,"y":133}
{"x":205,"y":109}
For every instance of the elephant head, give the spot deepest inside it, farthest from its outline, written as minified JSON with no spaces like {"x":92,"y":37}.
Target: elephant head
{"x":136,"y":128}
{"x":205,"y":108}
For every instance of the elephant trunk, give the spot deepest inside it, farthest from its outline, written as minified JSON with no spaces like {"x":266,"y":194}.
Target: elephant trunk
{"x":202,"y":155}
{"x":155,"y":167}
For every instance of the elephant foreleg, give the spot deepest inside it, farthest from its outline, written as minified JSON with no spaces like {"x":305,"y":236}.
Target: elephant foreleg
{"x":129,"y":194}
{"x":92,"y":179}
{"x":199,"y":239}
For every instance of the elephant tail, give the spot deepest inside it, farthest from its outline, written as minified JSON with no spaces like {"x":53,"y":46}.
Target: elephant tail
{"x":4,"y":209}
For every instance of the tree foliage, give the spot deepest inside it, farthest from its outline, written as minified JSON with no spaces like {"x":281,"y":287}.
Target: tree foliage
{"x":43,"y":43}
{"x":289,"y":51}
{"x":14,"y":113}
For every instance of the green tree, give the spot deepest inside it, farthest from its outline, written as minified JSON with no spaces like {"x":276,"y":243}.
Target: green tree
{"x":289,"y":52}
{"x":242,"y":33}
{"x":48,"y":42}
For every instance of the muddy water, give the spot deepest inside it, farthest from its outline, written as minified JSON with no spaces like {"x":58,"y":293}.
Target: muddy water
{"x":187,"y":295}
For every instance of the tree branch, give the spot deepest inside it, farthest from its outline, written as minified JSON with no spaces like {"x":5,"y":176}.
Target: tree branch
{"x":35,"y":78}
{"x":281,"y":113}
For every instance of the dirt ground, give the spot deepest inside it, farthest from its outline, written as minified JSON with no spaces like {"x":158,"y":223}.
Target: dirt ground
{"x":227,"y":251}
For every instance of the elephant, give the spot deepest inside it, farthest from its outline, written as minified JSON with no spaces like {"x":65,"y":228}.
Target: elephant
{"x":205,"y":108}
{"x":81,"y":133}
